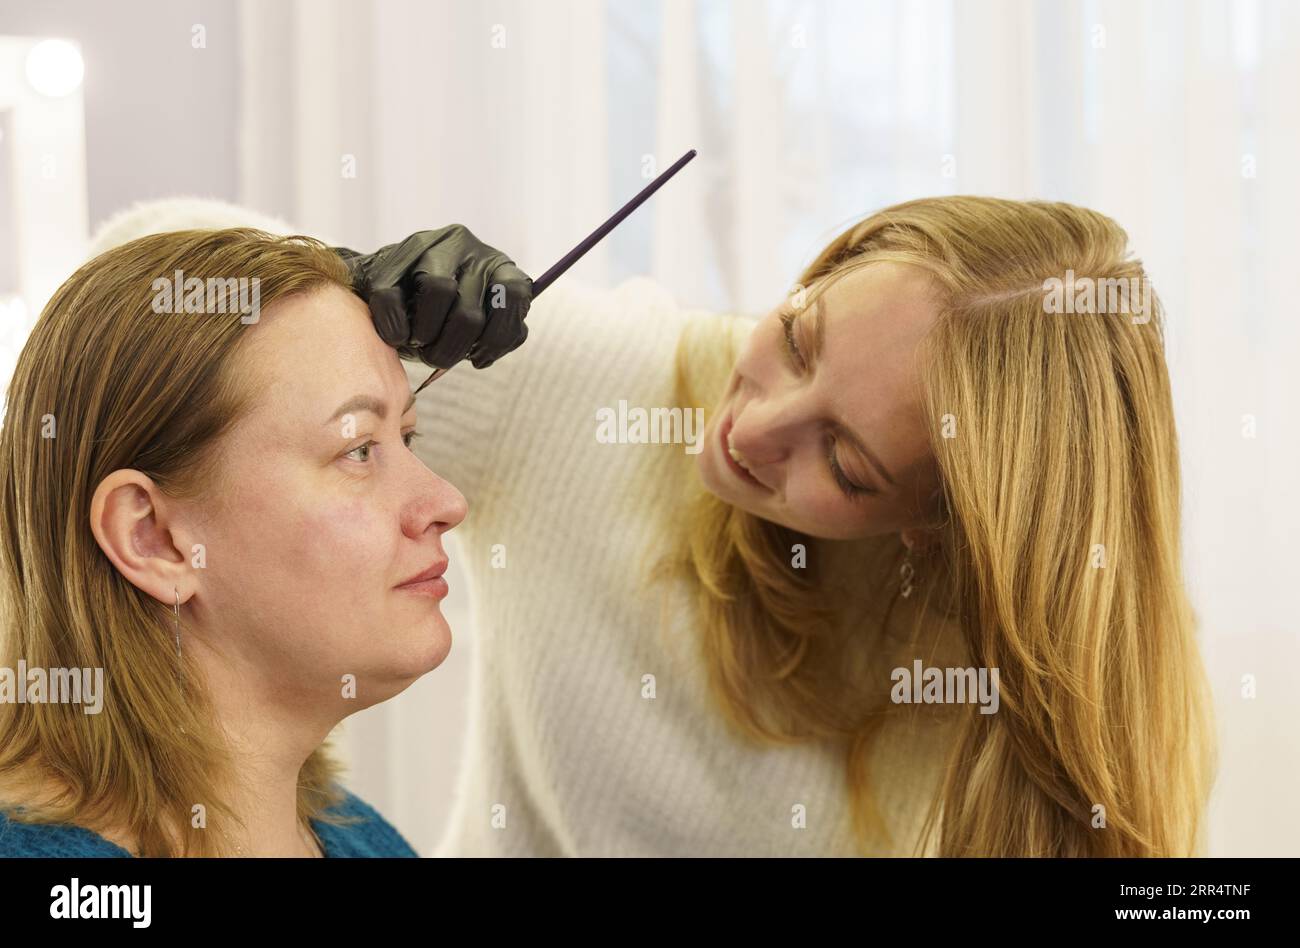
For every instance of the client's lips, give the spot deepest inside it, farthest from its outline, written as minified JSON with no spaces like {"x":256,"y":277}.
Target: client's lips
{"x":433,"y":572}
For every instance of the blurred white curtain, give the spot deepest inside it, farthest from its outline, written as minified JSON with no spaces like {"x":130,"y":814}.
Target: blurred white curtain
{"x":490,"y":115}
{"x":531,"y":122}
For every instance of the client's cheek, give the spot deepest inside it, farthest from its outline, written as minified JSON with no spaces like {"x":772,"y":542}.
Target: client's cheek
{"x":341,"y":540}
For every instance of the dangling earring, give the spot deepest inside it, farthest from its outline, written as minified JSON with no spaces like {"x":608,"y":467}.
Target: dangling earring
{"x":906,"y":574}
{"x":178,"y":636}
{"x":180,"y":680}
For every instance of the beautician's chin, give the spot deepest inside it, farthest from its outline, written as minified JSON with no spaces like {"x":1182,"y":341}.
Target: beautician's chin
{"x":722,"y":477}
{"x":708,"y":462}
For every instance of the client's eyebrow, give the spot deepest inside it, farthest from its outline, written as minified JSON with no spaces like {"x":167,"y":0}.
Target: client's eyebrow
{"x":376,"y":406}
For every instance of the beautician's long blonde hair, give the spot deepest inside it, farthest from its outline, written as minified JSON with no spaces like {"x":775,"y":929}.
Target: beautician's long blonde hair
{"x":105,"y":383}
{"x":1059,"y":558}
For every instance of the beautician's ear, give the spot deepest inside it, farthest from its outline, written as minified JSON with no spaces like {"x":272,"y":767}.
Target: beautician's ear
{"x":129,"y":516}
{"x":919,"y":539}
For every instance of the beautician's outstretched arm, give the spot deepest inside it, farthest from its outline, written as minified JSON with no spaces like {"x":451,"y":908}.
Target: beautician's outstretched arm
{"x":443,"y":295}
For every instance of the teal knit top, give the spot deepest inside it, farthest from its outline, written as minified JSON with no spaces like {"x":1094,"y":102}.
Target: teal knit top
{"x":371,"y":836}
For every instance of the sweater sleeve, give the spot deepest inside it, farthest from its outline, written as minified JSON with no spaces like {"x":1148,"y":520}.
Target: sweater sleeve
{"x":468,"y":417}
{"x":182,"y":213}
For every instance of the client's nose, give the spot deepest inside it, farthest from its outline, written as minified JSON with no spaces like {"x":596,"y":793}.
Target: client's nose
{"x":434,"y":502}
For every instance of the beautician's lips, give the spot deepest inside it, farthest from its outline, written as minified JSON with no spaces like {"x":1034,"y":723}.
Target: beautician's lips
{"x":429,"y":580}
{"x":744,"y":475}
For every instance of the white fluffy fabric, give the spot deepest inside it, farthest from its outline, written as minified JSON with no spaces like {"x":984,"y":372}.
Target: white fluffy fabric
{"x":178,"y":213}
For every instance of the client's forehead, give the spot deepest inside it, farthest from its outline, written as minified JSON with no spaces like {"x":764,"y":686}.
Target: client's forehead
{"x":314,"y":351}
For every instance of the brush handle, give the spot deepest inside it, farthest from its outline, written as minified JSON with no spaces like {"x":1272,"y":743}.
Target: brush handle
{"x":576,"y":254}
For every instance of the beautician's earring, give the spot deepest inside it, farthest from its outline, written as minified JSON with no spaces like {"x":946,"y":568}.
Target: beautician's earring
{"x":906,"y":573}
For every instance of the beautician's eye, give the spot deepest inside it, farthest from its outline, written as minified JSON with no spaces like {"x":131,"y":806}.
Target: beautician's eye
{"x":407,"y":438}
{"x":791,"y":347}
{"x":851,"y":490}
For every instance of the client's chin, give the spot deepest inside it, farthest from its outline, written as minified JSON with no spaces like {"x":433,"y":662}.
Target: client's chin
{"x":410,"y":653}
{"x":426,"y":644}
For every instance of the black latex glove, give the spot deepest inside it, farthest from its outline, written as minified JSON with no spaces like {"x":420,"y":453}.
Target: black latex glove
{"x":441,"y":296}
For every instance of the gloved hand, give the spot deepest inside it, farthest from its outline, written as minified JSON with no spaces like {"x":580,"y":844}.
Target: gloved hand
{"x":441,"y":296}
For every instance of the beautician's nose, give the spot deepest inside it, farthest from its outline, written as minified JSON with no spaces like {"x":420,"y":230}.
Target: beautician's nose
{"x":767,"y":426}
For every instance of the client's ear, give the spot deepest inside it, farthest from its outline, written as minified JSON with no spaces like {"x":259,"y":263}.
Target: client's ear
{"x":129,"y":517}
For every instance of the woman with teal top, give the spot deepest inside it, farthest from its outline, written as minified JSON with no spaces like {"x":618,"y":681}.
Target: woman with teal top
{"x":215,"y":545}
{"x":366,"y":834}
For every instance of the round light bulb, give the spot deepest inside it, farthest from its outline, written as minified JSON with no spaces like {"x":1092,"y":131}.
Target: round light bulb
{"x":55,"y":68}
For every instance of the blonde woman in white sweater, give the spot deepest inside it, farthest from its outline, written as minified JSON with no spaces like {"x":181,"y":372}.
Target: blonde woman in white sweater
{"x":716,"y":644}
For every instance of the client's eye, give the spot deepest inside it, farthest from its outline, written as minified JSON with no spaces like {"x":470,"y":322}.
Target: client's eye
{"x":407,"y":439}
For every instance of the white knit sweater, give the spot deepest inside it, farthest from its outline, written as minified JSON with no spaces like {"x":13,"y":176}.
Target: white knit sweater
{"x":563,"y":743}
{"x":566,"y":753}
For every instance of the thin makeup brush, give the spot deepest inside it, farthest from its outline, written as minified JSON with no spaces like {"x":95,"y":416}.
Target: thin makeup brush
{"x":574,"y":255}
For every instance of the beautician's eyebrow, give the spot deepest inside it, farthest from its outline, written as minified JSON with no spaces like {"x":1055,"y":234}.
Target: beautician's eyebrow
{"x":368,"y":403}
{"x":819,"y":326}
{"x":819,"y":338}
